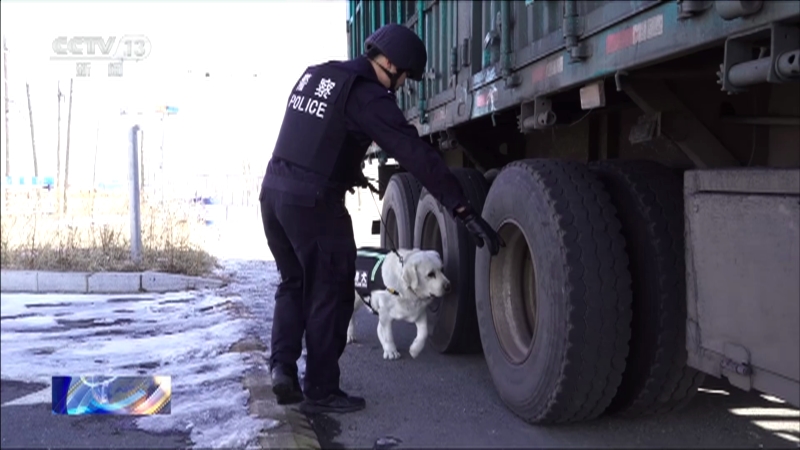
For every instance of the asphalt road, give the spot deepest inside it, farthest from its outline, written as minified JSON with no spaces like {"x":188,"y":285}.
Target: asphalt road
{"x":438,"y":401}
{"x":444,"y":401}
{"x":435,"y":401}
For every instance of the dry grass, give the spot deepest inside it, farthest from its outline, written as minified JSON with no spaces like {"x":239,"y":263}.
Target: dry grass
{"x":94,"y":234}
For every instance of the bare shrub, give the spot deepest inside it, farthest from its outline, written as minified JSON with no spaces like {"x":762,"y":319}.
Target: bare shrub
{"x":94,"y":234}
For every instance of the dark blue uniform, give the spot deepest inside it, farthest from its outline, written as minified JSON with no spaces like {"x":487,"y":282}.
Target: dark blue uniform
{"x":308,"y":228}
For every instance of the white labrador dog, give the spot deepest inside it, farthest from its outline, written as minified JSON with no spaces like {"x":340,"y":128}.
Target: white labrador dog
{"x":411,"y":286}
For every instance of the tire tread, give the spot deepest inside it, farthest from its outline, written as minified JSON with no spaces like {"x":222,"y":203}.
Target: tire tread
{"x":411,"y":189}
{"x":466,"y":339}
{"x":670,"y":383}
{"x":598,"y":291}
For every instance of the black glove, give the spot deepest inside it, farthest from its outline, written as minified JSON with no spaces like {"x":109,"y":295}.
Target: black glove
{"x":363,"y":182}
{"x":481,"y":231}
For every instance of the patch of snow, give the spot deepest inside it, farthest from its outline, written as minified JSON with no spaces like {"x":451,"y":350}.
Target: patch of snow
{"x":31,"y":323}
{"x":182,"y":335}
{"x":12,"y":309}
{"x":257,"y":280}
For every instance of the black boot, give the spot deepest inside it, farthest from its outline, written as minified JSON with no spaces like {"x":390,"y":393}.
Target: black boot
{"x":285,"y":385}
{"x":338,"y":402}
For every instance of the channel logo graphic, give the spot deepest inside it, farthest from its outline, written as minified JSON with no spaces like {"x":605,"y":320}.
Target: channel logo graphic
{"x":91,"y":395}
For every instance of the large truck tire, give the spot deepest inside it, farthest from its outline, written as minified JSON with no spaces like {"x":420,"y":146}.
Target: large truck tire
{"x":453,"y":320}
{"x":398,"y":212}
{"x":648,"y":198}
{"x":554,"y":306}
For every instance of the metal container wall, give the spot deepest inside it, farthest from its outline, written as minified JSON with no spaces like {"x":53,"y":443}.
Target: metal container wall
{"x":458,"y":36}
{"x":437,"y":30}
{"x":476,"y":68}
{"x":364,"y":17}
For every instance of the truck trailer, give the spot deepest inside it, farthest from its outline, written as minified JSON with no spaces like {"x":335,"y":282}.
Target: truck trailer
{"x":641,"y":160}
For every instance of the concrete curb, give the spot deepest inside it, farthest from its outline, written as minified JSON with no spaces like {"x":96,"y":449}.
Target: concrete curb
{"x":293,"y":429}
{"x":43,"y":282}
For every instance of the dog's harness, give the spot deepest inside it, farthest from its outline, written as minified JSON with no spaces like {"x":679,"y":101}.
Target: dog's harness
{"x":369,"y":277}
{"x":376,"y":256}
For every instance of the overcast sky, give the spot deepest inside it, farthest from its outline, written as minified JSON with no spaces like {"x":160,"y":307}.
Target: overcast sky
{"x":223,"y":121}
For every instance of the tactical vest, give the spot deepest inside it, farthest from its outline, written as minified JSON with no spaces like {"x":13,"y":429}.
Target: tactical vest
{"x":314,"y":134}
{"x":369,"y":262}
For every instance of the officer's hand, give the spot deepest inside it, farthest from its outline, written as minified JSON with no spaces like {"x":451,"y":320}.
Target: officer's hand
{"x":366,"y":183}
{"x":362,"y":182}
{"x":481,"y":231}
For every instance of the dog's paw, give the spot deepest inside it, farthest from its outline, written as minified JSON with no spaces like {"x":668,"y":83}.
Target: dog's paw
{"x":416,"y":349}
{"x":391,"y":354}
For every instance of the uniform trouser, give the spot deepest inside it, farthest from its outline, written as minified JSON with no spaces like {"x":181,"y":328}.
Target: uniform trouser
{"x":314,"y":248}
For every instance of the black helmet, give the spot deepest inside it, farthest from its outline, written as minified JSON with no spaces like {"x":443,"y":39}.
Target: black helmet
{"x":401,"y":46}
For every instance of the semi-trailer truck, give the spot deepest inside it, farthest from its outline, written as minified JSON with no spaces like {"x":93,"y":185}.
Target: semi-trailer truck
{"x":641,"y":160}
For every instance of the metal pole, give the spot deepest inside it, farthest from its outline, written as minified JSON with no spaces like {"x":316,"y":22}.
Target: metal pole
{"x":136,"y":214}
{"x":161,"y":167}
{"x":421,"y":95}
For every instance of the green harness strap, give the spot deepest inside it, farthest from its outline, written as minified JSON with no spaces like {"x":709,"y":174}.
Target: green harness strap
{"x":378,"y":261}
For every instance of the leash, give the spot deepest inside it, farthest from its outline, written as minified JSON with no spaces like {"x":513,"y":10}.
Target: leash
{"x":372,"y":191}
{"x":368,"y":303}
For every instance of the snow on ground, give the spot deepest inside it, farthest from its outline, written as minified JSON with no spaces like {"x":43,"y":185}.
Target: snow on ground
{"x":182,"y":335}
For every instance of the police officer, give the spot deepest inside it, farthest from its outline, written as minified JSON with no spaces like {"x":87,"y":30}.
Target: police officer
{"x":335,"y":111}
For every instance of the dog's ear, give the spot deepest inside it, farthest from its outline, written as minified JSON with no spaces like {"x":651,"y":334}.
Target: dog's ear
{"x":434,"y":256}
{"x":410,"y":276}
{"x":438,"y":258}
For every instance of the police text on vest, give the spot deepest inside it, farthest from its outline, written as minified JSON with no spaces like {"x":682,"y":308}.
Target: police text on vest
{"x":324,"y":88}
{"x":310,"y":106}
{"x":303,"y":82}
